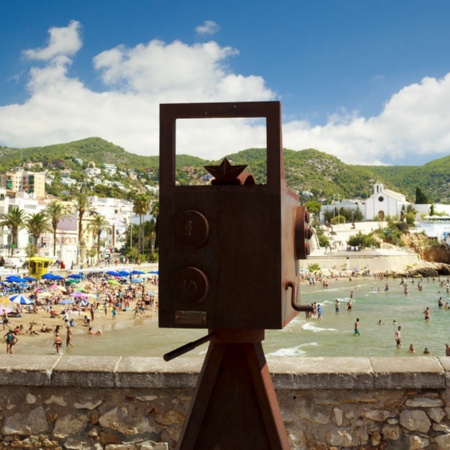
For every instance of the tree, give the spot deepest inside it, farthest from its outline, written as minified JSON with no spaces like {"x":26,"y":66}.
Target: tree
{"x":96,"y":226}
{"x":15,"y":220}
{"x":36,"y":224}
{"x":55,"y":212}
{"x":313,"y":206}
{"x":421,"y":198}
{"x":82,"y":205}
{"x":141,"y":206}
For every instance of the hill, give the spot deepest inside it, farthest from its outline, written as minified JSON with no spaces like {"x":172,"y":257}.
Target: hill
{"x":310,"y":170}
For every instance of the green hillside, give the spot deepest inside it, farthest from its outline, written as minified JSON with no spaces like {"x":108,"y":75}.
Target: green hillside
{"x":307,"y":170}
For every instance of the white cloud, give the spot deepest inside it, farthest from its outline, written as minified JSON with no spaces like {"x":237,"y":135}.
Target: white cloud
{"x":414,"y":122}
{"x":63,"y":41}
{"x":60,"y":108}
{"x":208,"y":27}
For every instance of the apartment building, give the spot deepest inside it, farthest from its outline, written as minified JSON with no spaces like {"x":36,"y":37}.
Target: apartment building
{"x":32,"y":183}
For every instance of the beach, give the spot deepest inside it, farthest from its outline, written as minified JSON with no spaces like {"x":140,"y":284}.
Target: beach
{"x":332,"y":335}
{"x":61,"y":306}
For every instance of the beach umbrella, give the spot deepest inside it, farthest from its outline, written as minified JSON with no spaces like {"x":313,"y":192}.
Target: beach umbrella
{"x":21,"y":299}
{"x":155,"y":272}
{"x":78,"y":294}
{"x":29,"y":279}
{"x":75,"y":275}
{"x":49,"y":276}
{"x":55,"y":286}
{"x":84,"y":302}
{"x":13,"y":279}
{"x":113,"y":273}
{"x":123,"y":273}
{"x":72,"y":280}
{"x":66,"y":301}
{"x":137,"y":272}
{"x":114,"y":282}
{"x":137,"y":280}
{"x":4,"y":309}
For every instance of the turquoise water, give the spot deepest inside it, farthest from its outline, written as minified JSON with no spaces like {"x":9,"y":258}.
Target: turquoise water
{"x":331,"y":336}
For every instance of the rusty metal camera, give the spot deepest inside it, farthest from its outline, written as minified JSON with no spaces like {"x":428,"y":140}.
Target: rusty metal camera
{"x":228,"y":250}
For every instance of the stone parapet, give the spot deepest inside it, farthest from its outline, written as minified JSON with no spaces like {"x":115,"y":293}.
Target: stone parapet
{"x":122,"y":403}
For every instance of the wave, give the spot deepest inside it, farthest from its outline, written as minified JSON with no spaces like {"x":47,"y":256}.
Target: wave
{"x":309,"y":326}
{"x":293,"y":351}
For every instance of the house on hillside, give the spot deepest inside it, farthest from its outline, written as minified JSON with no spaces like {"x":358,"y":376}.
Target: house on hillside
{"x":384,"y":202}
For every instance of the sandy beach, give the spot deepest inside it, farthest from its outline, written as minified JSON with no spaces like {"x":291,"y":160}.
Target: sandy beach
{"x":103,"y":294}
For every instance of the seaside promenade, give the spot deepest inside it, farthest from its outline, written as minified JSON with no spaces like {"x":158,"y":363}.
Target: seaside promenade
{"x":340,"y":258}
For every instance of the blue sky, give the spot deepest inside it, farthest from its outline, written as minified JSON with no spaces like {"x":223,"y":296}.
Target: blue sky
{"x":366,"y":81}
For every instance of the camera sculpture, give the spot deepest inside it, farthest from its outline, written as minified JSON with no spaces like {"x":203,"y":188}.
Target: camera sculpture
{"x":228,"y":262}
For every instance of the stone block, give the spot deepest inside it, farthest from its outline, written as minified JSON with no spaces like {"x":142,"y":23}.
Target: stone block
{"x":27,"y":370}
{"x":421,"y":372}
{"x":321,"y":373}
{"x":85,"y":371}
{"x":134,"y":372}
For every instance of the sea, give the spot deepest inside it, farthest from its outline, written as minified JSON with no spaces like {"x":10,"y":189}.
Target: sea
{"x":380,"y":305}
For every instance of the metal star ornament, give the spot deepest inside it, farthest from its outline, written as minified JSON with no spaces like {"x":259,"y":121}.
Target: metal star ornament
{"x":225,"y":173}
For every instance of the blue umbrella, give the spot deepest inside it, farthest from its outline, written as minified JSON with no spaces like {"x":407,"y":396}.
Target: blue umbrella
{"x":137,"y":272}
{"x":21,"y":299}
{"x":75,"y":275}
{"x":49,"y":276}
{"x":58,"y":277}
{"x":29,"y":279}
{"x":124,"y":273}
{"x":113,"y":273}
{"x":156,"y":272}
{"x":66,"y":301}
{"x":137,"y":280}
{"x":13,"y":279}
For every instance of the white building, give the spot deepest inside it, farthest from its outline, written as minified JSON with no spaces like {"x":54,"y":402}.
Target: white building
{"x":384,"y":203}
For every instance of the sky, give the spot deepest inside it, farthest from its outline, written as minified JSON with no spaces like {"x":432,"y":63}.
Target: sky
{"x":367,"y":81}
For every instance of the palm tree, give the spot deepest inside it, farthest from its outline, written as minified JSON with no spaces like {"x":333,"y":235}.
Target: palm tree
{"x":96,"y":226}
{"x":37,"y":223}
{"x":55,"y":212}
{"x":82,"y":205}
{"x":15,"y":220}
{"x":141,"y":206}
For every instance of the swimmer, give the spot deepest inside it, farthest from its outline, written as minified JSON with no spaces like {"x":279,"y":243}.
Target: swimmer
{"x":356,"y":332}
{"x":336,"y":307}
{"x":426,"y":351}
{"x":447,"y":350}
{"x":427,"y":313}
{"x":94,"y":333}
{"x":398,"y":337}
{"x":411,"y":349}
{"x":57,"y":342}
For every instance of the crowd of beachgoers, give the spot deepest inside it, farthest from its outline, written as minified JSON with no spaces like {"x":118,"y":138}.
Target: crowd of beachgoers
{"x":56,"y":304}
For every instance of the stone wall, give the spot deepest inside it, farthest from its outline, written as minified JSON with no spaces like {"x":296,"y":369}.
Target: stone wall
{"x":337,"y":261}
{"x":124,"y":403}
